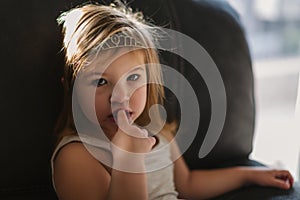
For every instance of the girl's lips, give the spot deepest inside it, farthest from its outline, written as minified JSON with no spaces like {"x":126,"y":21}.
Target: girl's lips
{"x":111,"y":119}
{"x":114,"y":116}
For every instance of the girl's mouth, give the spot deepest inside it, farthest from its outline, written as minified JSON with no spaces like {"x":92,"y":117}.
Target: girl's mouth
{"x":114,"y":116}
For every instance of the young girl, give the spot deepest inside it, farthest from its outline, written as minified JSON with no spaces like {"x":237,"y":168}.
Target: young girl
{"x":110,"y":53}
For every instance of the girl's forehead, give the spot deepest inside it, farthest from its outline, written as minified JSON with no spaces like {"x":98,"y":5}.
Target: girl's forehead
{"x":104,"y":60}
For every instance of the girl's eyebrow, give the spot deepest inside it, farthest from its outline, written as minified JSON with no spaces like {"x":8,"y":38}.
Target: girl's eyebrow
{"x":138,"y":68}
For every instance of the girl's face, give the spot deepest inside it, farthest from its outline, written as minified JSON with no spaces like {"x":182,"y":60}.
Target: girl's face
{"x":122,"y":86}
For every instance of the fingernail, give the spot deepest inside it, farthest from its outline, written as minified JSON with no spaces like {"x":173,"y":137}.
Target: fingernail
{"x":153,"y":140}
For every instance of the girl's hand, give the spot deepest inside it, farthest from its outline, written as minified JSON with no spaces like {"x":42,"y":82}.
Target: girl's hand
{"x":272,"y":178}
{"x":131,"y":138}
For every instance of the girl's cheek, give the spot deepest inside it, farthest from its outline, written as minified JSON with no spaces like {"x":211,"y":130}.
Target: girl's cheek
{"x":83,"y":100}
{"x":140,"y":97}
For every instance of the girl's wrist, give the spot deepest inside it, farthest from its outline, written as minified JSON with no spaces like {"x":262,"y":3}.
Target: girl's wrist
{"x":247,"y":175}
{"x":128,"y":161}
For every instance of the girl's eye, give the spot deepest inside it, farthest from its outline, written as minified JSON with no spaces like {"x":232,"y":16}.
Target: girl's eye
{"x":133,"y":77}
{"x":101,"y":82}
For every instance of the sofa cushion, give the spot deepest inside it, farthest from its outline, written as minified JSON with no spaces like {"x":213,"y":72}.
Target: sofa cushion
{"x":262,"y":193}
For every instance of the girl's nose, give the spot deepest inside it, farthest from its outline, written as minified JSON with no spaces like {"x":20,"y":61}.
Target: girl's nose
{"x":120,"y":94}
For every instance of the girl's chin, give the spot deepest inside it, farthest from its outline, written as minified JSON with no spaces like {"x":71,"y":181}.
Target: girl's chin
{"x":110,"y":131}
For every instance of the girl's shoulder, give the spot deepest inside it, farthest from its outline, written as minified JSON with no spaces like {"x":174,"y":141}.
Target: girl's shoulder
{"x":84,"y":145}
{"x":75,"y":170}
{"x":72,"y":153}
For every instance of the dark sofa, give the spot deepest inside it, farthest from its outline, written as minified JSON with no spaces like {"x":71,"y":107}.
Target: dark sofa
{"x":32,"y":94}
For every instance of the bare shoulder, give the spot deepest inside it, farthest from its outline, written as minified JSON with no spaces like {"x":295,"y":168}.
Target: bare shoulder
{"x":78,"y":175}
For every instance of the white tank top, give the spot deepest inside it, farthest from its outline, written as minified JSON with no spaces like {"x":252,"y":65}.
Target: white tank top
{"x":160,"y":182}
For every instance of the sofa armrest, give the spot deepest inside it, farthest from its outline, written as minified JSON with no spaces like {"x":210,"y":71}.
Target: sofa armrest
{"x":263,"y":193}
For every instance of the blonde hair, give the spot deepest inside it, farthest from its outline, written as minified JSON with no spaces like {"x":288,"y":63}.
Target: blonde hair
{"x":86,"y":29}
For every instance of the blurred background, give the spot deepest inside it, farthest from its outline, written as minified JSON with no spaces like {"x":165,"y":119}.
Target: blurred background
{"x":273,"y":31}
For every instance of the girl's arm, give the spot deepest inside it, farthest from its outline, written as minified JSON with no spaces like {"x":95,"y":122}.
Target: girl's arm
{"x":128,"y":147}
{"x":203,"y":184}
{"x":128,"y":186}
{"x":79,"y":176}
